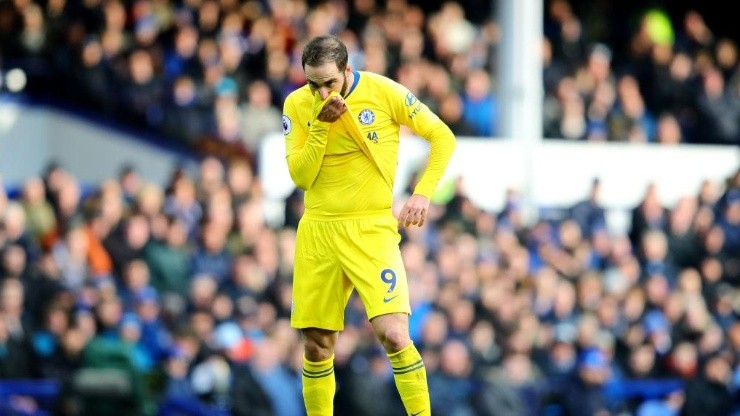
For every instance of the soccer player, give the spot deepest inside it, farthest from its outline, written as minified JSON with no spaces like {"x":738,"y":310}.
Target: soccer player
{"x":342,"y":139}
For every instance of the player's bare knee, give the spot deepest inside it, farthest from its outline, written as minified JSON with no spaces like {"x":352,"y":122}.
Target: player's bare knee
{"x":318,"y":345}
{"x":316,"y":353}
{"x":394,"y":338}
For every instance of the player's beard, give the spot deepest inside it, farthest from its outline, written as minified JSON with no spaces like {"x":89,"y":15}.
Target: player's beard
{"x":344,"y":86}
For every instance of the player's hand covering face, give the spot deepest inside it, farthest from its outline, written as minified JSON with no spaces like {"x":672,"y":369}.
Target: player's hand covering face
{"x":323,"y":80}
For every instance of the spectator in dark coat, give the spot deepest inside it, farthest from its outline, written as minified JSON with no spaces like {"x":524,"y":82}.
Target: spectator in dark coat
{"x":709,"y":393}
{"x":648,"y":215}
{"x":451,"y":388}
{"x":584,"y":395}
{"x":589,"y":214}
{"x":718,"y":111}
{"x":127,"y":243}
{"x":16,"y":358}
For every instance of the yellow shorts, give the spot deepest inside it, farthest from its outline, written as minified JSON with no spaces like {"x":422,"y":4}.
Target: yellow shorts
{"x":334,"y":256}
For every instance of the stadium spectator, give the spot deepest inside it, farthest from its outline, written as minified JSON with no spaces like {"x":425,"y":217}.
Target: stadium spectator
{"x":258,"y":116}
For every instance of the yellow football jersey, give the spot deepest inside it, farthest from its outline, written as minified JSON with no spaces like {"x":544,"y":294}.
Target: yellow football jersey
{"x":328,"y":162}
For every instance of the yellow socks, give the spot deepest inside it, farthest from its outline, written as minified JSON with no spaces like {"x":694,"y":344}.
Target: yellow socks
{"x":319,"y":386}
{"x":411,"y":380}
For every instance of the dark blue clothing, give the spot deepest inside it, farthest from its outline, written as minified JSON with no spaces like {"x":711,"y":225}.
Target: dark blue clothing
{"x":580,"y":399}
{"x":217,"y":265}
{"x":451,"y":396}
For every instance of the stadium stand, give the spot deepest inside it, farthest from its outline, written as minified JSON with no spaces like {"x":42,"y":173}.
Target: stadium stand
{"x":175,"y":298}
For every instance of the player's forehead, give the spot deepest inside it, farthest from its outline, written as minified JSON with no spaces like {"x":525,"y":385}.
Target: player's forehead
{"x":322,"y":73}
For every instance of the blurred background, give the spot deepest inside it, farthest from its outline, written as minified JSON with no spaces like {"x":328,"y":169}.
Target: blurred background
{"x":582,"y":255}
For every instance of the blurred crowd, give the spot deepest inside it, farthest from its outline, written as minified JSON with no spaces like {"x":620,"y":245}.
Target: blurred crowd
{"x":179,"y":295}
{"x":136,"y":296}
{"x":219,"y":70}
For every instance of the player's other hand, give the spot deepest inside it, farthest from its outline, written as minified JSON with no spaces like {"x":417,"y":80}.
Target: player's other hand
{"x":414,"y":211}
{"x":332,"y":110}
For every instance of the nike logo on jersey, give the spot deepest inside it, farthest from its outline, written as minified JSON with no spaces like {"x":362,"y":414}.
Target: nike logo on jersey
{"x":386,"y":300}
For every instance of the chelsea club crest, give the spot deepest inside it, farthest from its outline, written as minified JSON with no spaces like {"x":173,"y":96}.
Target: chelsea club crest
{"x":366,"y":117}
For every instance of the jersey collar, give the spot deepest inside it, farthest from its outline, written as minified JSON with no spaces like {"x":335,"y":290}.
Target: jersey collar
{"x":356,"y":76}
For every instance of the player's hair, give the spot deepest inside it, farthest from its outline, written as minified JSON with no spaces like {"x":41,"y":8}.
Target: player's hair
{"x":324,"y":49}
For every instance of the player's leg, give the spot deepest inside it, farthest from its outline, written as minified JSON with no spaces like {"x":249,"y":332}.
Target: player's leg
{"x":319,"y":384}
{"x":371,"y":257}
{"x":320,"y":294}
{"x":409,"y":372}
